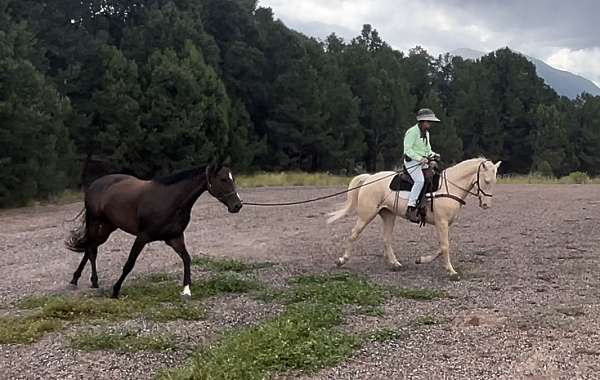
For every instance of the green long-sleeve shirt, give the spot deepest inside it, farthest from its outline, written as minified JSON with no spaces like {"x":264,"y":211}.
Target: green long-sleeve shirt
{"x":416,"y":147}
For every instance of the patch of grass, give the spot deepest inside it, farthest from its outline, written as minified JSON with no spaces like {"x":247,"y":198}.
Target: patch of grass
{"x":147,"y":293}
{"x":159,"y":299}
{"x":32,"y":302}
{"x":169,"y":312}
{"x":155,"y":306}
{"x":384,"y":335}
{"x":538,"y":179}
{"x":302,"y":338}
{"x":26,"y":330}
{"x":291,"y":179}
{"x":124,"y":342}
{"x":428,"y":320}
{"x":418,"y":294}
{"x":83,"y":307}
{"x":268,"y":295}
{"x":333,"y":288}
{"x":370,"y":310}
{"x":155,"y":297}
{"x":577,"y":177}
{"x":305,"y":336}
{"x":159,"y":277}
{"x":87,"y":308}
{"x":65,"y":197}
{"x":229,"y":283}
{"x":227,"y":265}
{"x":531,"y":179}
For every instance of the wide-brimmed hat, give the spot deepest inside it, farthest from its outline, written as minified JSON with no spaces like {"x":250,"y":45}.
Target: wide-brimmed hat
{"x":425,"y":114}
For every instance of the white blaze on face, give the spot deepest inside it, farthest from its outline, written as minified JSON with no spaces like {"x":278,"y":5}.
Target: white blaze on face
{"x":230,"y":177}
{"x":187,"y":291}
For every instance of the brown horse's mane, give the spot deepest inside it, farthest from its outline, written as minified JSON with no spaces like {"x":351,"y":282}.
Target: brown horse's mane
{"x":179,"y":176}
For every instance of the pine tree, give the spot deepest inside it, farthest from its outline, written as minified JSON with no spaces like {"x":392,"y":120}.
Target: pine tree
{"x":549,"y":142}
{"x":35,"y":159}
{"x":185,"y":111}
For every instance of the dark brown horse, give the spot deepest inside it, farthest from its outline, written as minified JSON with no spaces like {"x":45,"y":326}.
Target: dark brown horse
{"x":154,"y":210}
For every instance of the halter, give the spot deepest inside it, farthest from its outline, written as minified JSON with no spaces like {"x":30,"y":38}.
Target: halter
{"x":209,"y":188}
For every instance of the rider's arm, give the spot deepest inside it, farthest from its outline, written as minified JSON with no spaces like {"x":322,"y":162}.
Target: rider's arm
{"x":410,"y":138}
{"x":430,"y":152}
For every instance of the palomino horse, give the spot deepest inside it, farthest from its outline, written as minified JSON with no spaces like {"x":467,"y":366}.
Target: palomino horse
{"x":373,"y":197}
{"x":154,"y":210}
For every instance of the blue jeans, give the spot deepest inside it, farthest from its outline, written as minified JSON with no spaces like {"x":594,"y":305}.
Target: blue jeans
{"x":416,"y":173}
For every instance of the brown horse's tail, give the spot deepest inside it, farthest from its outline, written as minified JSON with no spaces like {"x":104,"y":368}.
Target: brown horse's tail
{"x":77,"y":239}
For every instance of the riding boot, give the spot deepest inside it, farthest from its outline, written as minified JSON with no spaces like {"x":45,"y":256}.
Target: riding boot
{"x":412,"y":214}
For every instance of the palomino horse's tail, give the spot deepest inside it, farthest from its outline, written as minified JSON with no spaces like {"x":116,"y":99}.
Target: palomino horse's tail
{"x":352,"y":198}
{"x":77,"y":239}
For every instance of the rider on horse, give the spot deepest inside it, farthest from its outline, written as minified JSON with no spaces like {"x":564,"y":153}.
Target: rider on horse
{"x":417,"y":152}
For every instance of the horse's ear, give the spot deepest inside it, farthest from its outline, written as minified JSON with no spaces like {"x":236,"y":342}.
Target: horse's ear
{"x":214,"y":166}
{"x":218,"y":164}
{"x":226,"y":161}
{"x":497,"y":164}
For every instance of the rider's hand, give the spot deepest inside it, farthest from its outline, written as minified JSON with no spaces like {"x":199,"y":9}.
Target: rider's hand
{"x":435,"y":156}
{"x":424,"y":160}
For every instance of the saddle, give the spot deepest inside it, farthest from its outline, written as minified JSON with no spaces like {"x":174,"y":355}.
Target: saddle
{"x":403,"y":182}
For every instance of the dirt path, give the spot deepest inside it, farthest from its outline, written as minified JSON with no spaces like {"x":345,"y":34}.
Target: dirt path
{"x":528,"y":305}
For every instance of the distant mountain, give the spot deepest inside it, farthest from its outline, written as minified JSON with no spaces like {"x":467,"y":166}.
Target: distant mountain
{"x":563,"y":82}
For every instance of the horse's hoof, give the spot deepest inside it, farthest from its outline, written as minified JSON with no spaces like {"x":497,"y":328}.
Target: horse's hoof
{"x":454,"y":276}
{"x":186,"y":297}
{"x":340,"y":262}
{"x":94,"y":286}
{"x":72,"y":285}
{"x":394,"y":267}
{"x":418,"y":261}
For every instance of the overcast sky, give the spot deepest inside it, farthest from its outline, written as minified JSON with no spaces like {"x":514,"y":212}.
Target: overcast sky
{"x":564,"y":34}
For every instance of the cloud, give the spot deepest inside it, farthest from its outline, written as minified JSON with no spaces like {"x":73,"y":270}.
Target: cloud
{"x":565,"y":34}
{"x":585,"y":62}
{"x":402,"y":26}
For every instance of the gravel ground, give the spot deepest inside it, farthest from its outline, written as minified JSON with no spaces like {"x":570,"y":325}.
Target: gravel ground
{"x":527,"y":306}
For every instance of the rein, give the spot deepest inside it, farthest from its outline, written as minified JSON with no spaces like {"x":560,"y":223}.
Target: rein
{"x":447,"y":195}
{"x":480,"y":191}
{"x":326,"y":196}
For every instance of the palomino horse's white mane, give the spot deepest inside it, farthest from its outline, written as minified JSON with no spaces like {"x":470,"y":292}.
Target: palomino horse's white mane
{"x":468,"y":163}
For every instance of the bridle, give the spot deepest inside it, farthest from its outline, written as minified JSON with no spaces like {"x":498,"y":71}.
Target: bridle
{"x":209,"y":188}
{"x":480,"y":192}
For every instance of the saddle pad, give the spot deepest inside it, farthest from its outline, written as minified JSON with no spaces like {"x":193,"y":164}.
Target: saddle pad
{"x":400,"y":184}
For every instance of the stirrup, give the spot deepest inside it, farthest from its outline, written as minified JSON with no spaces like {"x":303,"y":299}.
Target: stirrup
{"x":412,"y":214}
